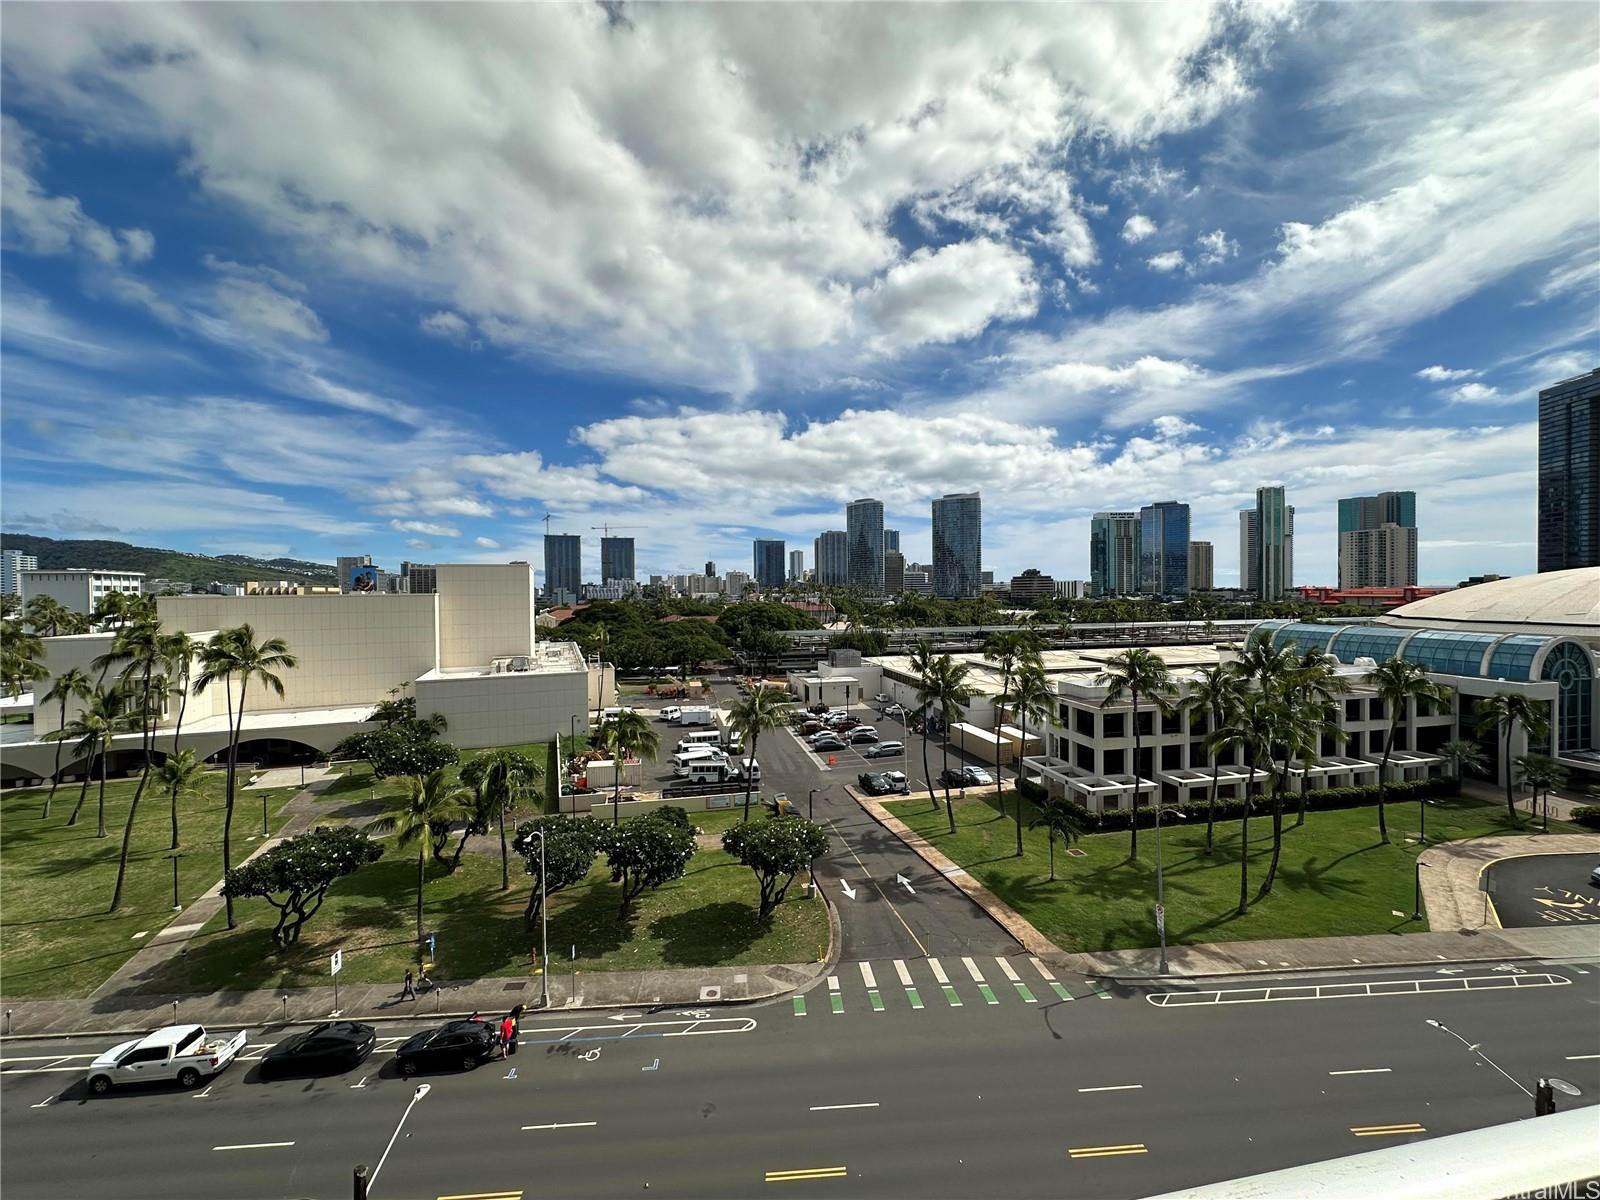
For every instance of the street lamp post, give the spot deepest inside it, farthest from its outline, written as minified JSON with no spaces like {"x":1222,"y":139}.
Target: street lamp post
{"x":371,"y":1181}
{"x":175,"y":856}
{"x":811,"y":815}
{"x":1161,"y":894}
{"x":1416,"y":902}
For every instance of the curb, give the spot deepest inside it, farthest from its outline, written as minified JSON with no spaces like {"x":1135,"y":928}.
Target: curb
{"x":1245,"y":972}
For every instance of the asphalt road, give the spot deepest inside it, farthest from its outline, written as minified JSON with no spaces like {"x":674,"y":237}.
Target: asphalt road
{"x":1541,"y":890}
{"x":890,"y":1100}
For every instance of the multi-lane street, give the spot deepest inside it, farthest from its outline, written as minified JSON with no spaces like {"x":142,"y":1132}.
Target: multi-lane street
{"x":870,"y":1085}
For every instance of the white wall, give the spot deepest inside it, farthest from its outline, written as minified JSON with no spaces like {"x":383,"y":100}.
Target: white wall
{"x":485,"y":612}
{"x":506,"y":709}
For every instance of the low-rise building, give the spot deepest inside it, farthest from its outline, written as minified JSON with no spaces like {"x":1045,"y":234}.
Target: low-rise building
{"x":80,"y":589}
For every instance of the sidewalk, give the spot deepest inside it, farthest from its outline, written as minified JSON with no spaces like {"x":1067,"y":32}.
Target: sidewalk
{"x":132,"y":1014}
{"x":170,"y":940}
{"x":1450,"y":873}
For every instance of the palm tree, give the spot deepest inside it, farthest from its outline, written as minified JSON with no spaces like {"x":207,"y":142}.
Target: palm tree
{"x":625,"y":735}
{"x":180,"y":776}
{"x":1396,"y":682}
{"x":139,"y":645}
{"x":1297,"y":727}
{"x":434,"y":799}
{"x":599,"y":639}
{"x":1463,"y":755}
{"x":1539,"y":773}
{"x":1008,"y":649}
{"x":47,"y":615}
{"x":1135,"y":673}
{"x":1032,"y":698}
{"x":952,"y":694}
{"x":1058,"y":820}
{"x":1505,"y":711}
{"x":1215,"y":694}
{"x":20,"y":655}
{"x":1313,"y":683}
{"x":922,"y":660}
{"x":765,"y":707}
{"x":70,"y":685}
{"x":235,"y":654}
{"x":497,"y":778}
{"x":93,"y":728}
{"x":1250,"y":727}
{"x":177,"y":652}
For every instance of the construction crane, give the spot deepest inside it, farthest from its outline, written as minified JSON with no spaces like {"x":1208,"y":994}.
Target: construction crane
{"x":605,"y":530}
{"x":546,"y":520}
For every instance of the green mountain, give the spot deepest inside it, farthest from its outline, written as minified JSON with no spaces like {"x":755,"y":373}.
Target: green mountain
{"x":197,"y":569}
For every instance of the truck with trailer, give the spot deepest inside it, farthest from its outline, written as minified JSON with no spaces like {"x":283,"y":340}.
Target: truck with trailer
{"x":183,"y":1054}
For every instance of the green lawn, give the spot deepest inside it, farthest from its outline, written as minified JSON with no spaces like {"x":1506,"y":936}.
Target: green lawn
{"x":705,"y":919}
{"x":1334,"y":877}
{"x":55,"y":882}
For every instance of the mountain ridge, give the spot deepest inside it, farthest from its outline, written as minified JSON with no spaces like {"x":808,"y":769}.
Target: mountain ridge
{"x":160,"y":563}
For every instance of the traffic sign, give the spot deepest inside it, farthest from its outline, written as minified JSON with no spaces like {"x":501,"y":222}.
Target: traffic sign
{"x":1161,"y":917}
{"x":338,"y":961}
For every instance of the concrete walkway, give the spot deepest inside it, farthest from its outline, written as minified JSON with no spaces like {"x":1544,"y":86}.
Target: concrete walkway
{"x":1450,"y":873}
{"x":173,"y":938}
{"x":139,"y":1013}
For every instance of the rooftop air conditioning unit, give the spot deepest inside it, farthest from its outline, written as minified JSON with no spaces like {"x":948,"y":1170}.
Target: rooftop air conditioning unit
{"x":521,"y":663}
{"x":499,"y":666}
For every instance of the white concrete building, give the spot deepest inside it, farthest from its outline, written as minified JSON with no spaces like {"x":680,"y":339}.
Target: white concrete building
{"x":80,"y":589}
{"x":12,"y":564}
{"x":468,"y":652}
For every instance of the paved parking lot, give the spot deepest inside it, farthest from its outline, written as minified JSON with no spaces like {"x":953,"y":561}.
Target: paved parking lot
{"x":851,"y":761}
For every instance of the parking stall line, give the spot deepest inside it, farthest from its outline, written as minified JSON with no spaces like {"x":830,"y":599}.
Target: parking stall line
{"x":1108,"y":1151}
{"x":255,"y":1146}
{"x":810,"y":1173}
{"x":1399,"y":1130}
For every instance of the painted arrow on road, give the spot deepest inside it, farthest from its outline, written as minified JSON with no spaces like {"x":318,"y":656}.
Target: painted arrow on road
{"x":623,"y":1017}
{"x":905,"y":883}
{"x":848,"y":890}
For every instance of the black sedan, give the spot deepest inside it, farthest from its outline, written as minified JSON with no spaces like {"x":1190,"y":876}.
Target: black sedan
{"x":827,"y":743}
{"x":324,"y":1049}
{"x":455,"y":1045}
{"x":953,"y":777}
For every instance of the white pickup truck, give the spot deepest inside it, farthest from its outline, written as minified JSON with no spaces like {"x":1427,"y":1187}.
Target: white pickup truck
{"x":183,"y":1053}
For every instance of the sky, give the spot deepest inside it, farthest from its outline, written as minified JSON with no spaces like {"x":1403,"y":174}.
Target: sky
{"x":403,"y":280}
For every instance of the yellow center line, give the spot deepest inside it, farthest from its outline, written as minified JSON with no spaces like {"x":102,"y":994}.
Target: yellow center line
{"x":485,"y":1196}
{"x":807,"y":1173}
{"x":1380,"y":1130}
{"x":1108,"y":1151}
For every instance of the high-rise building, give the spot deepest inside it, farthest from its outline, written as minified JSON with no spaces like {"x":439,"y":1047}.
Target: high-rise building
{"x":563,"y":567}
{"x":1114,"y":551}
{"x":1164,"y":549}
{"x":1249,"y":550}
{"x":891,"y":540}
{"x":958,"y":546}
{"x":711,"y":567}
{"x":1387,"y":558}
{"x":346,"y":566}
{"x":735,"y":582}
{"x":920,"y":582}
{"x":1032,"y":585}
{"x":1569,"y":473}
{"x":1201,"y":567}
{"x":419,"y":579}
{"x":830,"y":557}
{"x":769,"y":562}
{"x":12,"y":564}
{"x":616,"y":559}
{"x":1274,"y":570}
{"x":863,"y":522}
{"x":894,"y":572}
{"x":797,"y":565}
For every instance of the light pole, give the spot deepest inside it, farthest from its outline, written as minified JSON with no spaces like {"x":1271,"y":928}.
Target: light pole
{"x":1161,"y":893}
{"x":1416,"y":901}
{"x":422,"y":1090}
{"x":544,"y":931}
{"x":811,"y":815}
{"x":175,"y":856}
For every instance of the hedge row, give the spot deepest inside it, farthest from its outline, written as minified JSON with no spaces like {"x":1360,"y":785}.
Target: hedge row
{"x":1587,"y":815}
{"x":1323,"y":799}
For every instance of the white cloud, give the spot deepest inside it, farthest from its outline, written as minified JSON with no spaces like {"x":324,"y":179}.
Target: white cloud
{"x":261,"y":310}
{"x":429,"y":528}
{"x":1137,"y":228}
{"x":1475,"y":393}
{"x":38,"y":222}
{"x":950,"y":293}
{"x":446,"y":325}
{"x":1170,"y":260}
{"x":1440,"y":374}
{"x":1214,"y":247}
{"x":486,"y":543}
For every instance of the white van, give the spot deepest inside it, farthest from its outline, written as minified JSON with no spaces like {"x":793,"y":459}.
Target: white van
{"x":696,"y":715}
{"x":670,"y":713}
{"x":733,"y":740}
{"x":704,"y":737}
{"x":684,"y":759}
{"x":749,"y":769}
{"x":710,"y":770}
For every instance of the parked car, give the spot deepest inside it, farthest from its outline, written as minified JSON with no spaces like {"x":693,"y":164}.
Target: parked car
{"x":455,"y":1045}
{"x":829,"y":742}
{"x":978,"y":777}
{"x":896,"y":711}
{"x":670,"y":713}
{"x":861,"y":734}
{"x":881,"y":698}
{"x":324,"y":1049}
{"x":810,"y":728}
{"x":953,"y":777}
{"x":884,"y":750}
{"x":825,"y":733}
{"x":897,"y":782}
{"x":181,"y":1054}
{"x":840,"y":724}
{"x":873,"y":783}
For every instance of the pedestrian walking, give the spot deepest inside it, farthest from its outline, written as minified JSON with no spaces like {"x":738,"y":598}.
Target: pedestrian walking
{"x":508,"y":1030}
{"x":408,"y":989}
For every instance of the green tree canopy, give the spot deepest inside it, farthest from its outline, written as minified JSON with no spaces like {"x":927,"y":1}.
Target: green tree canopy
{"x":645,"y":852}
{"x":776,"y":849}
{"x":571,"y":844}
{"x":301,"y":870}
{"x":401,"y":749}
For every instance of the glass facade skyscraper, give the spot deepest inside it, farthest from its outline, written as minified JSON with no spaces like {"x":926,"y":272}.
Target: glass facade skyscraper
{"x":563,"y":565}
{"x":958,"y":546}
{"x":1114,"y":543}
{"x":863,"y":523}
{"x":891,"y":540}
{"x":1569,"y":473}
{"x":1164,"y":549}
{"x":1378,"y":540}
{"x":1274,"y":536}
{"x":830,"y":557}
{"x":616,"y":559}
{"x":769,"y":564}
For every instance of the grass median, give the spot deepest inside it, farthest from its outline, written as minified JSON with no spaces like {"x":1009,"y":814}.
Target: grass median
{"x":56,"y":938}
{"x":1334,"y":877}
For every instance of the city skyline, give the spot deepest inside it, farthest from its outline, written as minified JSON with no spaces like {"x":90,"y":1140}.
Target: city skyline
{"x":237,"y":327}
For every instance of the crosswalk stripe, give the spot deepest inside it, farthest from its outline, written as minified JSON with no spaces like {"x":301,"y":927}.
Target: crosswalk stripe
{"x":838,"y":1001}
{"x":1007,"y":969}
{"x":1061,"y":991}
{"x":911,"y":995}
{"x":877,"y":1001}
{"x":867,"y":977}
{"x":905,"y":975}
{"x":1098,"y":990}
{"x":938,"y":970}
{"x":1022,"y":990}
{"x":988,"y":996}
{"x":1044,"y":971}
{"x":799,"y":1006}
{"x":950,"y":995}
{"x":972,"y":969}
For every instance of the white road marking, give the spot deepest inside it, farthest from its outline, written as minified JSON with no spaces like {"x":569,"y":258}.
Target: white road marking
{"x":45,"y":1103}
{"x":1042,"y":969}
{"x":938,"y":971}
{"x":202,"y":1094}
{"x":972,"y":969}
{"x":834,"y":1107}
{"x":1340,"y":991}
{"x":833,"y":983}
{"x":563,"y":1125}
{"x":1009,"y":971}
{"x":1363,"y":1071}
{"x":1116,"y":1087}
{"x":867,"y":977}
{"x":900,"y":970}
{"x":1581,"y":1057}
{"x":255,"y":1146}
{"x":52,"y":1058}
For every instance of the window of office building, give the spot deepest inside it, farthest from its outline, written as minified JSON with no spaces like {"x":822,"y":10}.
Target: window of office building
{"x":1116,"y":760}
{"x":1172,"y":756}
{"x":1083,"y":721}
{"x":1569,"y":666}
{"x":1115,"y":724}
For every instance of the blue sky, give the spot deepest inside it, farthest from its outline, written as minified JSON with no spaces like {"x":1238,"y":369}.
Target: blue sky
{"x":309,"y":280}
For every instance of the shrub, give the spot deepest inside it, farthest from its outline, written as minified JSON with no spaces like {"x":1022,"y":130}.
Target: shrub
{"x":1587,"y":815}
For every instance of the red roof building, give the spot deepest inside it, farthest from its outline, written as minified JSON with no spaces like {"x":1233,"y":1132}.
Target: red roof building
{"x":1373,"y":597}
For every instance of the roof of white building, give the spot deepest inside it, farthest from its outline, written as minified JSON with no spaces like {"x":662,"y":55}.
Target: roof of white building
{"x":1556,"y":602}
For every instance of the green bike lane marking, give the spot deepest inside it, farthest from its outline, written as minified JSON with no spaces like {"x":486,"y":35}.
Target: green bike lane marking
{"x":911,"y":995}
{"x":1061,"y":991}
{"x":950,"y":995}
{"x":877,"y":1001}
{"x":988,"y":996}
{"x":1022,"y":990}
{"x":799,"y":1006}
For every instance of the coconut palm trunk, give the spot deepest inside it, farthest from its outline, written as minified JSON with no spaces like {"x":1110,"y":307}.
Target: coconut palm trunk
{"x":55,"y":775}
{"x":101,"y":804}
{"x":148,"y":730}
{"x":177,"y":730}
{"x":927,"y":775}
{"x":233,"y":766}
{"x":749,"y":775}
{"x":1383,"y":783}
{"x":1244,"y":834}
{"x":1133,"y":822}
{"x":1505,"y":758}
{"x":83,"y":788}
{"x":1021,"y":765}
